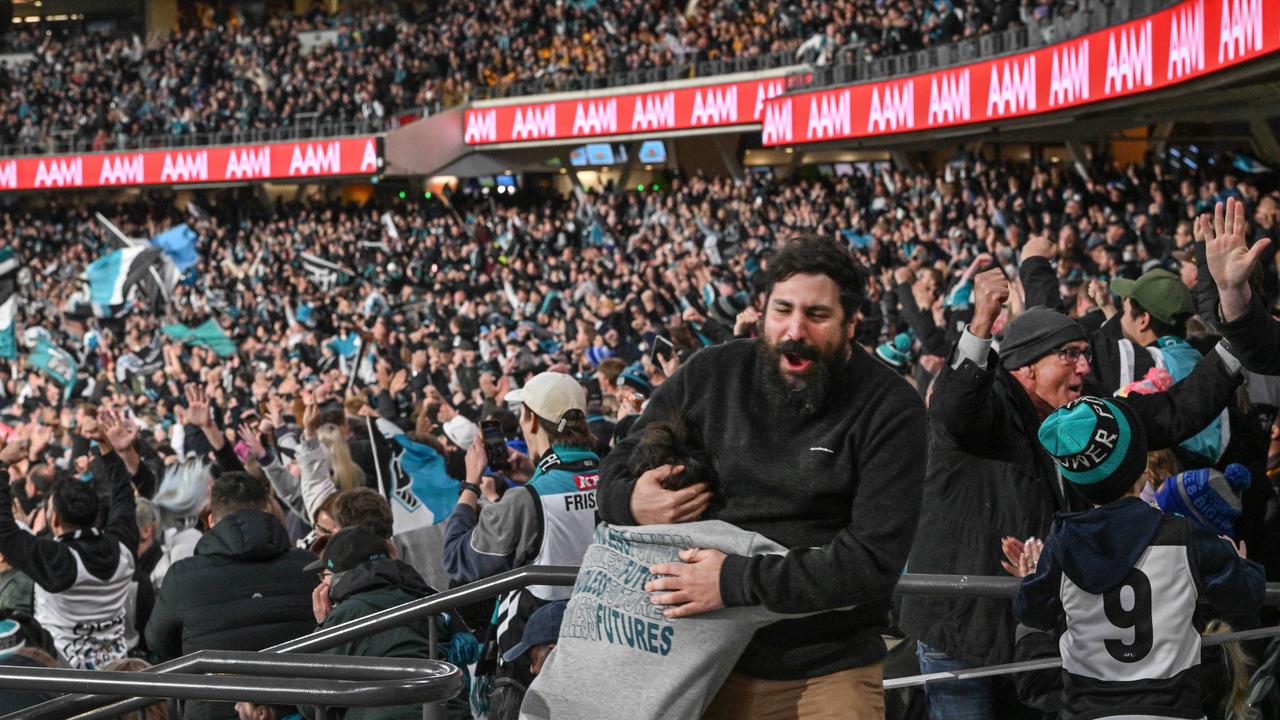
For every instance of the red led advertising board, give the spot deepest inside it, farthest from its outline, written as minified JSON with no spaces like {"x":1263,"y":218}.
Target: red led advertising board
{"x":1189,"y":40}
{"x":232,"y":163}
{"x":714,"y":105}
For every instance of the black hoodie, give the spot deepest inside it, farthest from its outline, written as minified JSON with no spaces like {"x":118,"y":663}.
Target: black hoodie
{"x":1122,"y":582}
{"x":244,"y":589}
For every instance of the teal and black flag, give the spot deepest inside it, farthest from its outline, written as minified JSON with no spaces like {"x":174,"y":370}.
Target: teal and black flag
{"x":55,"y":362}
{"x":9,"y":266}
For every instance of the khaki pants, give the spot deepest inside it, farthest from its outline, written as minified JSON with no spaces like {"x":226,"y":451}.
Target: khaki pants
{"x":854,"y":694}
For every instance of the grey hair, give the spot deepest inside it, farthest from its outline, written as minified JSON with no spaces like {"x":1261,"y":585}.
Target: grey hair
{"x":184,"y":492}
{"x":147,"y":514}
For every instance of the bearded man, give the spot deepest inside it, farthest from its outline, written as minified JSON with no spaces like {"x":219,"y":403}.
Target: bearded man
{"x":817,"y":446}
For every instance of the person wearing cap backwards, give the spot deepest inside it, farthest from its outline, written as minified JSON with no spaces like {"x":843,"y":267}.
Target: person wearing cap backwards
{"x":988,"y":479}
{"x":1124,"y":579}
{"x":549,"y":520}
{"x":362,"y":577}
{"x":817,"y":447}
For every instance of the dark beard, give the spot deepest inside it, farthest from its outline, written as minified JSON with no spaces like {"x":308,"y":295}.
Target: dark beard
{"x":806,"y":395}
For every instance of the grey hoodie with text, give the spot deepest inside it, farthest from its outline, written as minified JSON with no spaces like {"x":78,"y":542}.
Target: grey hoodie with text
{"x":617,"y":656}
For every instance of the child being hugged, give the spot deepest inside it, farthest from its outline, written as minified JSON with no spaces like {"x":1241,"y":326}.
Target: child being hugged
{"x":1121,"y":581}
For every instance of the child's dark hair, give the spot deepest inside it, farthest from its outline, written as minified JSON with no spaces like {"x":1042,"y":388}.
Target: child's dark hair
{"x":670,"y":442}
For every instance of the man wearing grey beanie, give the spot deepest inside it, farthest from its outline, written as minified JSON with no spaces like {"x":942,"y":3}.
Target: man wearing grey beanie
{"x":988,"y":477}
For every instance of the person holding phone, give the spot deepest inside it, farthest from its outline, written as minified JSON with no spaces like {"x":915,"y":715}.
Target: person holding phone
{"x":548,"y":520}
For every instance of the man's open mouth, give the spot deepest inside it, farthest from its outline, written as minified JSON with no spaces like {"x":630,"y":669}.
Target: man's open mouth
{"x":794,"y":362}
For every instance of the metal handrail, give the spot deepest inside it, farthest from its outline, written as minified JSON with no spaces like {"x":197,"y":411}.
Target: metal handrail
{"x":992,"y":586}
{"x":1049,"y":663}
{"x":241,"y":676}
{"x":91,"y":706}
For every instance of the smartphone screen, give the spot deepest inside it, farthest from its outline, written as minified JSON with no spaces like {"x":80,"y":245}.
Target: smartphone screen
{"x":495,"y":444}
{"x":662,"y":349}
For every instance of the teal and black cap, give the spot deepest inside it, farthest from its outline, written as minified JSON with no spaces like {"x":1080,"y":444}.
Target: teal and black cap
{"x":1100,"y":447}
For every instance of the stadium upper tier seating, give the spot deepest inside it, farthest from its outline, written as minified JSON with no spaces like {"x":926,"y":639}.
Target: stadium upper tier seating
{"x":94,"y":92}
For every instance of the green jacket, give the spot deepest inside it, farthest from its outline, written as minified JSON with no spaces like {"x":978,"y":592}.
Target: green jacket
{"x":376,"y":586}
{"x":16,"y":591}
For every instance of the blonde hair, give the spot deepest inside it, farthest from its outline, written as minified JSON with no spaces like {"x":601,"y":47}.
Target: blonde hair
{"x":346,"y":474}
{"x":1161,"y":465}
{"x":1240,"y":670}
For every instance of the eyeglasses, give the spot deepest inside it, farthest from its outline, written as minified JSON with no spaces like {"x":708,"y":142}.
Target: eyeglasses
{"x":324,"y":575}
{"x":1072,"y":355}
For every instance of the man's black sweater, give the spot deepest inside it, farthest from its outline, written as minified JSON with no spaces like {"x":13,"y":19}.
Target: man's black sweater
{"x":840,"y":488}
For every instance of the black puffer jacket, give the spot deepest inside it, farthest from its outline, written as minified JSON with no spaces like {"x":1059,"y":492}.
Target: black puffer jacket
{"x":244,"y":589}
{"x":989,"y":477}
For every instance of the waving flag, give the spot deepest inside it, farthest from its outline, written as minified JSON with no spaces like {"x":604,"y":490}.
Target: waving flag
{"x":324,"y":273}
{"x":421,"y":492}
{"x":113,"y":276}
{"x":179,"y":243}
{"x":54,"y":362}
{"x":208,"y":334}
{"x":8,"y":302}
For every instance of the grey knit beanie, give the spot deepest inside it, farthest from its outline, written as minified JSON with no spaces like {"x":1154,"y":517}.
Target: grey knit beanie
{"x":1036,"y":333}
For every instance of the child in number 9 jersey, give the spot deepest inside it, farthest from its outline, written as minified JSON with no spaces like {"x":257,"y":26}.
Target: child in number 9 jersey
{"x":1123,"y":579}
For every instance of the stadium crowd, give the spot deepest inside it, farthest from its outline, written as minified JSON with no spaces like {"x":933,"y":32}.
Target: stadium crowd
{"x":326,"y":394}
{"x":224,"y":75}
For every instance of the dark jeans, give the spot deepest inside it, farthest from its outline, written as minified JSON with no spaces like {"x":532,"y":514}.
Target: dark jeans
{"x":954,"y":699}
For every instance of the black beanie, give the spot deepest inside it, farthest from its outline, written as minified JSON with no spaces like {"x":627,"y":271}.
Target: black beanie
{"x":1036,"y":333}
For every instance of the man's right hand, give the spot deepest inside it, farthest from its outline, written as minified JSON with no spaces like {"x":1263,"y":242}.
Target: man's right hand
{"x":990,"y":293}
{"x":652,"y":504}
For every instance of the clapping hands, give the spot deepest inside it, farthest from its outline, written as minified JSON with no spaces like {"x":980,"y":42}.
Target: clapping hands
{"x":1021,"y":557}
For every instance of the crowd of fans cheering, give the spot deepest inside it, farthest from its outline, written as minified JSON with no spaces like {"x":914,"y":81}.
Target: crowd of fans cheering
{"x":102,"y":92}
{"x":451,"y":303}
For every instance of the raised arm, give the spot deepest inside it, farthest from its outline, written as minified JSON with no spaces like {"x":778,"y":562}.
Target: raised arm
{"x":964,"y":393}
{"x":1035,"y":271}
{"x":47,"y":562}
{"x":1228,"y":256}
{"x":122,"y":518}
{"x":1192,"y":403}
{"x":479,"y":542}
{"x":932,"y":340}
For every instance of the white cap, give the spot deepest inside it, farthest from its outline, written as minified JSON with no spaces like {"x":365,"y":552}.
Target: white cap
{"x":551,"y":395}
{"x":461,"y":431}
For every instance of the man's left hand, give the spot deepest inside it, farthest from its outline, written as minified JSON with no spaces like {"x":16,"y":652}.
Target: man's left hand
{"x":690,"y":587}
